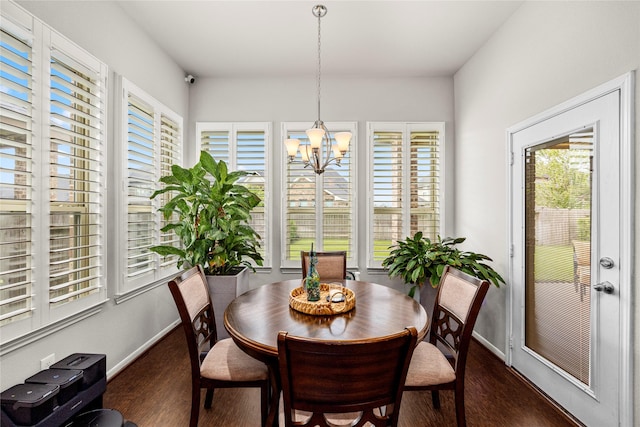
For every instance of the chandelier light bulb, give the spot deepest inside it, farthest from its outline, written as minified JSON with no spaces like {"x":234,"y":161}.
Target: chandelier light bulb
{"x":292,"y":147}
{"x":305,"y":152}
{"x":315,"y":137}
{"x":342,"y":140}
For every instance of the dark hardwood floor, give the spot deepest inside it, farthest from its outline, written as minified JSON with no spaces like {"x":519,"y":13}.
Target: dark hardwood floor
{"x":155,"y":390}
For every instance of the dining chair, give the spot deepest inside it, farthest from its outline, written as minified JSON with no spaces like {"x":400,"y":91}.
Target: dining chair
{"x":582,"y":263}
{"x":335,"y":379}
{"x":331,"y":265}
{"x":214,"y":364}
{"x":456,"y":309}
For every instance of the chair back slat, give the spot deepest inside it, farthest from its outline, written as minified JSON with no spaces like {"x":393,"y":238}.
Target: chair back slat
{"x":344,"y":376}
{"x":191,"y":295}
{"x":194,"y":294}
{"x":331,"y":265}
{"x":456,"y":309}
{"x":457,"y":296}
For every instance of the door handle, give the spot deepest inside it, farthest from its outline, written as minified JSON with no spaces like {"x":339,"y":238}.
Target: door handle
{"x":606,"y":262}
{"x":605,"y":287}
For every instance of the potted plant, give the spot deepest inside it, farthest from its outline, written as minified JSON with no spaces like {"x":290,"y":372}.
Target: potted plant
{"x":210,"y":212}
{"x":418,"y":259}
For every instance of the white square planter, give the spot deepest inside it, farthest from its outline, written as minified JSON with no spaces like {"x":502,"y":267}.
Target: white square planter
{"x":223,"y":290}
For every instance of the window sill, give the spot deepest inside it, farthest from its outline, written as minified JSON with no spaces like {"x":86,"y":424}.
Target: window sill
{"x":33,"y":336}
{"x":132,"y":293}
{"x":377,"y":271}
{"x":263,"y":270}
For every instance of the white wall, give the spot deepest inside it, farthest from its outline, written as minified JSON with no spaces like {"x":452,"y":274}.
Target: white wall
{"x":547,"y":53}
{"x":343,"y":99}
{"x":121,"y":330}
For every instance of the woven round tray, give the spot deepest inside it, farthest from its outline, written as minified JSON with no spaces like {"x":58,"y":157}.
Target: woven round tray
{"x":323,"y":307}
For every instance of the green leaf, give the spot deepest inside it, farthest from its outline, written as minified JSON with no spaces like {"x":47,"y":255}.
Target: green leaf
{"x":167,"y":250}
{"x":208,"y":163}
{"x":412,"y":291}
{"x":181,"y":174}
{"x":222,"y":172}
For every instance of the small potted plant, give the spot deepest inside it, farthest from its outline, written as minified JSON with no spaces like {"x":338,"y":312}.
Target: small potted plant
{"x":210,"y":212}
{"x":418,"y":259}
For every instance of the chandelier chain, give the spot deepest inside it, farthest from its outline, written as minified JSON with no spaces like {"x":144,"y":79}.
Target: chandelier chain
{"x":319,"y":64}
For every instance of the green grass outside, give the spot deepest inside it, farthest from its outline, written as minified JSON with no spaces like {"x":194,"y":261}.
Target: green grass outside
{"x":554,"y":263}
{"x":332,"y":245}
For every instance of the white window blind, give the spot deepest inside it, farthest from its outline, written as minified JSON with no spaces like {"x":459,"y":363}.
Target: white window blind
{"x":75,"y":201}
{"x":141,"y":182}
{"x":151,"y":144}
{"x":405,"y":184}
{"x":51,"y":173}
{"x":308,"y":197}
{"x":216,"y":142}
{"x":16,"y":112}
{"x":170,"y":154}
{"x":244,"y":146}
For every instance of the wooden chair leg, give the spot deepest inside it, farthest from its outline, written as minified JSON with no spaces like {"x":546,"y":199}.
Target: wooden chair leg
{"x":435,"y":398}
{"x":264,"y":403}
{"x":195,"y":404}
{"x":208,"y":398}
{"x":460,"y":415}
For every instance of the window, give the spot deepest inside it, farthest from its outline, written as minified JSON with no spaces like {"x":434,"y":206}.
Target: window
{"x":151,"y":144}
{"x":405,"y":176}
{"x":308,"y":196}
{"x":52,"y":171}
{"x":244,"y":146}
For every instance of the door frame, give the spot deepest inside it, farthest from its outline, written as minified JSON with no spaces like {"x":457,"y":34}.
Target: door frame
{"x":624,"y":84}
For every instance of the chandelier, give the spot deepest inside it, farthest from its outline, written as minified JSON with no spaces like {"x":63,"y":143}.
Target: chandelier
{"x":312,"y":154}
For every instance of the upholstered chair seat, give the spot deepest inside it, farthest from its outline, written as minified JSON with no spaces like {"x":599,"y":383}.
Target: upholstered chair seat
{"x":429,"y":366}
{"x":238,"y":365}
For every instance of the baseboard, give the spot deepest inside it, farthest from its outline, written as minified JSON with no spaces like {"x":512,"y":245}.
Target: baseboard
{"x":492,"y":348}
{"x":143,"y":348}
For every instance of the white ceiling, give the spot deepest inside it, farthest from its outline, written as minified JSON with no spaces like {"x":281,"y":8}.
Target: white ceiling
{"x":279,"y":38}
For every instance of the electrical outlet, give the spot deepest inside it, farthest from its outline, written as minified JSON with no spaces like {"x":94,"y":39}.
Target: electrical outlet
{"x":48,"y":361}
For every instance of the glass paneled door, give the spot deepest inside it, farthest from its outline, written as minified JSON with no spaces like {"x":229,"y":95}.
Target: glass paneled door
{"x":557,"y":236}
{"x":565,"y":276}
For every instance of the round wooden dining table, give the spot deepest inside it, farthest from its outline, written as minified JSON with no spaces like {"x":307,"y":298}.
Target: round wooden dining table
{"x":254,"y":319}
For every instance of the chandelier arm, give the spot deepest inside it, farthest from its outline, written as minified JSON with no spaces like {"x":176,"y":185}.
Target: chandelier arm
{"x":328,"y":151}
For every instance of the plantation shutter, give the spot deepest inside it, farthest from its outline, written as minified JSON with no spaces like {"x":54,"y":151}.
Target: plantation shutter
{"x":319,"y":209}
{"x":141,"y":182}
{"x":170,"y":149}
{"x":405,"y":184}
{"x":300,"y":205}
{"x":150,"y":144}
{"x":425,"y":183}
{"x":337,"y":209}
{"x":387,"y":191}
{"x":216,"y":143}
{"x":16,"y":153}
{"x":250,"y":157}
{"x":51,"y":176}
{"x":76,"y":220}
